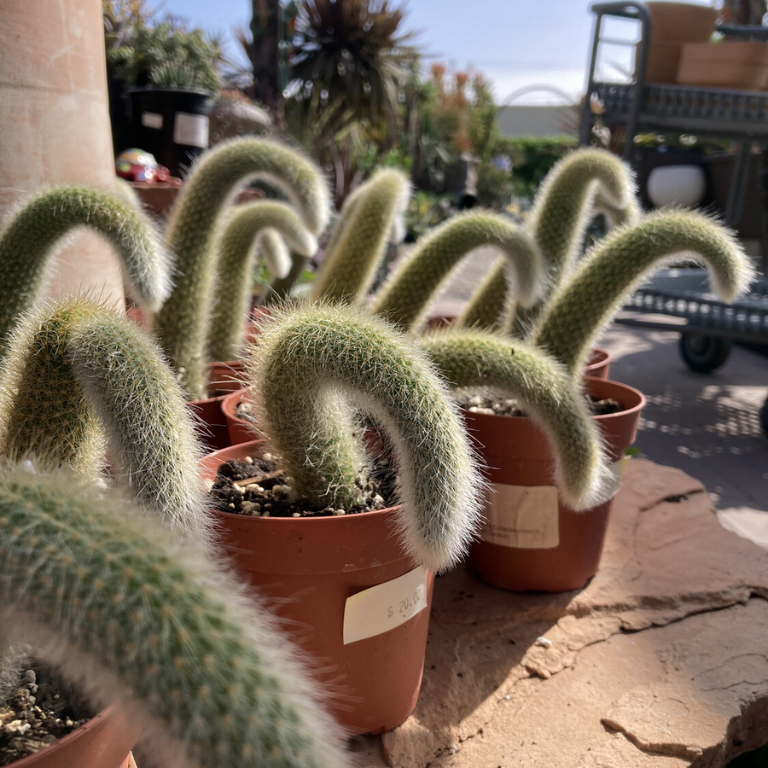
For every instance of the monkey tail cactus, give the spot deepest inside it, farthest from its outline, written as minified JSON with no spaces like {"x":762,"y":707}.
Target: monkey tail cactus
{"x":182,"y":324}
{"x":311,"y":367}
{"x":405,"y":299}
{"x":31,"y":235}
{"x":490,"y":302}
{"x":562,"y":210}
{"x":360,"y":238}
{"x":259,"y":228}
{"x":76,"y":372}
{"x":475,"y":358}
{"x":137,"y":616}
{"x":587,"y":303}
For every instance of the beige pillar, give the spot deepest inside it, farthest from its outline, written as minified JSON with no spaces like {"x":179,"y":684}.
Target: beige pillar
{"x":54,"y":122}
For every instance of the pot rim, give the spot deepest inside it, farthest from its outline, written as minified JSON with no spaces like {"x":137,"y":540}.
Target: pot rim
{"x":169,"y":89}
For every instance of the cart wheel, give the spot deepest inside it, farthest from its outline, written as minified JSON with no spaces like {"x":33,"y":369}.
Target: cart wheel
{"x":704,"y":353}
{"x":764,"y":417}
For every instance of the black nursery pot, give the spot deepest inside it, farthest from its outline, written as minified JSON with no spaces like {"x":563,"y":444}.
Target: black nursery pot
{"x":172,"y":124}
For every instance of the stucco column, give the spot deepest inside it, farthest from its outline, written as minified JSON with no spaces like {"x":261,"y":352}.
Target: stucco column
{"x":54,"y":123}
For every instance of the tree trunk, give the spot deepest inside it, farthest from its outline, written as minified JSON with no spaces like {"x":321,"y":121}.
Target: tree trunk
{"x":54,"y":123}
{"x":266,"y":31}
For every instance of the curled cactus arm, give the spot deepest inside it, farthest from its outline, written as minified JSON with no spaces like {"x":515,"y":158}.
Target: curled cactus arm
{"x":587,"y":303}
{"x":136,"y":616}
{"x":404,"y":300}
{"x":478,"y":359}
{"x":77,"y":373}
{"x":491,"y":302}
{"x":562,"y":210}
{"x":254,"y":229}
{"x":280,"y":289}
{"x":182,"y":324}
{"x":311,"y":366}
{"x":32,"y":234}
{"x":360,"y":239}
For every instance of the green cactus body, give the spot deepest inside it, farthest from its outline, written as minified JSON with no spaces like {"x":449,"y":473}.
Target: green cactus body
{"x":311,"y":367}
{"x":182,"y":323}
{"x":360,"y":239}
{"x":405,"y":299}
{"x":78,"y":372}
{"x":137,"y":616}
{"x":258,"y":228}
{"x":562,"y":211}
{"x":491,"y":301}
{"x":33,"y":232}
{"x":478,"y":359}
{"x":586,"y":304}
{"x":280,"y":288}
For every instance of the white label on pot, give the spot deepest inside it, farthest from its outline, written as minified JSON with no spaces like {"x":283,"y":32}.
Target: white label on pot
{"x":522,"y":516}
{"x":190,"y":130}
{"x":152,"y":120}
{"x":385,"y":606}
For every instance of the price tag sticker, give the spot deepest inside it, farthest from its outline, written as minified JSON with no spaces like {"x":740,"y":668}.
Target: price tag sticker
{"x":152,"y":120}
{"x":385,"y":606}
{"x":522,"y":516}
{"x":190,"y":130}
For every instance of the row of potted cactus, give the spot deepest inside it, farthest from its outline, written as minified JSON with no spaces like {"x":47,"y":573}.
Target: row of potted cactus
{"x":76,"y":377}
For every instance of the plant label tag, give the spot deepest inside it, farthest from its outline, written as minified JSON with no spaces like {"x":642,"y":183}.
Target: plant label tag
{"x":190,"y":130}
{"x":522,"y":516}
{"x":385,"y":606}
{"x":152,"y":120}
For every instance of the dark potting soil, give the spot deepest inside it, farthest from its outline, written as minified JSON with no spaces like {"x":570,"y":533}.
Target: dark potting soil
{"x":499,"y":406}
{"x":256,"y":487}
{"x":44,"y":708}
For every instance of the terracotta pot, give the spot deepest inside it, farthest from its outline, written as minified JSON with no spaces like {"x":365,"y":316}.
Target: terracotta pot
{"x":662,"y":62}
{"x":682,"y":22}
{"x":599,"y":364}
{"x":557,"y":550}
{"x":737,"y":64}
{"x":103,"y":742}
{"x":223,"y":379}
{"x":240,"y":430}
{"x":308,"y":569}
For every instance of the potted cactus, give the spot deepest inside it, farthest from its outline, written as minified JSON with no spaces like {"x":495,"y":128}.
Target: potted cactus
{"x":122,"y":606}
{"x":319,"y":568}
{"x":562,"y":550}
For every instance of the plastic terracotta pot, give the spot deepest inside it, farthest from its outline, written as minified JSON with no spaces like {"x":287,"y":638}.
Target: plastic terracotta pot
{"x":319,"y":576}
{"x":105,"y":741}
{"x":531,"y":541}
{"x":223,"y":379}
{"x":599,"y":364}
{"x":240,"y":430}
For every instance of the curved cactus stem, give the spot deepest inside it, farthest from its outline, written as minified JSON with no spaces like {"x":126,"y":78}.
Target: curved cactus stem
{"x":405,"y":298}
{"x":137,"y":616}
{"x":310,"y":367}
{"x":125,"y":192}
{"x":360,"y":239}
{"x":251,"y":230}
{"x":491,"y":302}
{"x":182,"y":323}
{"x":77,"y":372}
{"x":32,"y":234}
{"x":544,"y":391}
{"x":562,"y":211}
{"x":279,"y":289}
{"x":587,"y":303}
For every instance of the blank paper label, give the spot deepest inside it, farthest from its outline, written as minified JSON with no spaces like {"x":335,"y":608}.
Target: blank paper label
{"x":152,"y":120}
{"x":384,"y":607}
{"x":522,"y":516}
{"x":190,"y":130}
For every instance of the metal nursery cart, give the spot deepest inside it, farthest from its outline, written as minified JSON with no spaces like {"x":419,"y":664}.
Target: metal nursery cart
{"x":680,"y":299}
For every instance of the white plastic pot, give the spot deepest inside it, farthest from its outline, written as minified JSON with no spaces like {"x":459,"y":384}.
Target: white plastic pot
{"x":680,"y":185}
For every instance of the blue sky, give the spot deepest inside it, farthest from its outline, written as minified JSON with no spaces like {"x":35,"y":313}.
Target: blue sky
{"x":515,"y":43}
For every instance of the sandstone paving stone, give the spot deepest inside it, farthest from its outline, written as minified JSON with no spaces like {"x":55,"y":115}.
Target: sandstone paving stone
{"x":660,"y":661}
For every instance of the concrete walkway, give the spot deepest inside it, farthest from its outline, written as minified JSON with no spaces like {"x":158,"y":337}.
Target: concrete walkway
{"x":705,"y":425}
